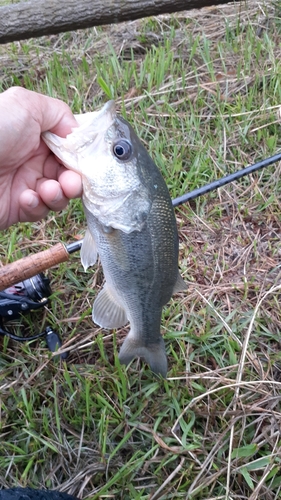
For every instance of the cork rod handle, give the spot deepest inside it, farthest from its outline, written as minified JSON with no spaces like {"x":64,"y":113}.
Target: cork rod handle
{"x":31,"y":265}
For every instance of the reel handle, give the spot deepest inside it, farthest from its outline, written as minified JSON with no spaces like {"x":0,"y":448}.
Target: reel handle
{"x":31,"y":265}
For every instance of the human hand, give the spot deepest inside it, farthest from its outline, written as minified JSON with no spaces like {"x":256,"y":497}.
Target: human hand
{"x":32,"y":181}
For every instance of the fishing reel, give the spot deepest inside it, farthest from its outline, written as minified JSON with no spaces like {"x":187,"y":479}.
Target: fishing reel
{"x":26,"y":296}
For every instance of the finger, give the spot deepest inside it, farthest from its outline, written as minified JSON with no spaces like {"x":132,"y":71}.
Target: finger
{"x":53,"y":114}
{"x":49,"y":113}
{"x":51,"y":193}
{"x":31,"y":207}
{"x":71,"y":183}
{"x":35,"y":205}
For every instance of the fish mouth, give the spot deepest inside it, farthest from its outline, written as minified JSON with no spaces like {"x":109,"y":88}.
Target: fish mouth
{"x":91,"y":126}
{"x":96,"y":121}
{"x":83,"y":139}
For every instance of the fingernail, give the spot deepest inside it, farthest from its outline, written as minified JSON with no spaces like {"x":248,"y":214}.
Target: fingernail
{"x":57,"y":198}
{"x":33,"y":202}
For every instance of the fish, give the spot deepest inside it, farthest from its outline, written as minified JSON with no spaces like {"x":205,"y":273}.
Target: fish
{"x":131,"y":225}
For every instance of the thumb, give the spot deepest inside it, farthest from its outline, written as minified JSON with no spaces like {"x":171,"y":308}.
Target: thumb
{"x":49,"y":113}
{"x":53,"y":114}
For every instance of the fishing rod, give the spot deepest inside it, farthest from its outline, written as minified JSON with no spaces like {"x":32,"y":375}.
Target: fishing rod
{"x":29,"y":266}
{"x":225,"y":180}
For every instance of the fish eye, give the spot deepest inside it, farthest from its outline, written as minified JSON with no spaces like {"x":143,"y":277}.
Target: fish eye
{"x":122,"y":149}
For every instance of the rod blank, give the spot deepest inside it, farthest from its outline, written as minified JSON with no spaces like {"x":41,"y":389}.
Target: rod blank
{"x":31,"y":265}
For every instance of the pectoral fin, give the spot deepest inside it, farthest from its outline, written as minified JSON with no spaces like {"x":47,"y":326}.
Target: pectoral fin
{"x":88,"y":252}
{"x":180,"y":285}
{"x":107,"y":311}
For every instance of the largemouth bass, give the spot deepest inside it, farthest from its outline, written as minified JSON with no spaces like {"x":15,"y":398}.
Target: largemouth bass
{"x":131,"y":225}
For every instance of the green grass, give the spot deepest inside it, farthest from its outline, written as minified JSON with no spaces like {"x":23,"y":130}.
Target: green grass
{"x":203,"y":91}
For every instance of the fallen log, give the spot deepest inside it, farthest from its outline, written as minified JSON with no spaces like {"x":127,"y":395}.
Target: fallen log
{"x":23,"y":20}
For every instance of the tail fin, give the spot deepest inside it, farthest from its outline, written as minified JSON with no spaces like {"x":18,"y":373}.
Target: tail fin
{"x":154,"y":354}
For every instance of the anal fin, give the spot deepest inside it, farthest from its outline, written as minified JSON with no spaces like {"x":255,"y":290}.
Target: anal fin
{"x":107,"y":311}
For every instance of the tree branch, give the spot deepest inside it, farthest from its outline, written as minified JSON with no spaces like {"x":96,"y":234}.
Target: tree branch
{"x":45,"y":17}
